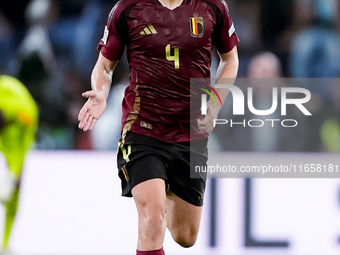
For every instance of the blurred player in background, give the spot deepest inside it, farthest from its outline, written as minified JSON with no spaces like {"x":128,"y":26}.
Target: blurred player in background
{"x":168,"y":42}
{"x":18,"y":124}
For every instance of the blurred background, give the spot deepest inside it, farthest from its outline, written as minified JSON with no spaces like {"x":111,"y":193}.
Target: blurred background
{"x":50,"y":45}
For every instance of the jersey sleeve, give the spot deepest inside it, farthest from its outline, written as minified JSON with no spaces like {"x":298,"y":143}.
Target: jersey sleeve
{"x":115,"y":34}
{"x":225,"y":38}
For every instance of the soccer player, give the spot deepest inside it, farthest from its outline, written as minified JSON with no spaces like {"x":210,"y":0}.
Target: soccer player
{"x":168,"y":42}
{"x":18,"y":124}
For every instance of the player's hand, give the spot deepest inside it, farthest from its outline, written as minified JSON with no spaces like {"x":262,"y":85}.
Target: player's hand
{"x":207,"y":124}
{"x":92,"y":109}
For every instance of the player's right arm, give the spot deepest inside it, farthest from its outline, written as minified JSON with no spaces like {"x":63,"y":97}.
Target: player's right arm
{"x":94,"y":107}
{"x":111,"y":48}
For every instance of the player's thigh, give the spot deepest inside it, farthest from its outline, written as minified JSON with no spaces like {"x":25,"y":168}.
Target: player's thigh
{"x":150,"y":198}
{"x":183,"y":218}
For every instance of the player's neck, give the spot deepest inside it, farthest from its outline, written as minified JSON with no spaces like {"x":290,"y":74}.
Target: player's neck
{"x":171,"y":4}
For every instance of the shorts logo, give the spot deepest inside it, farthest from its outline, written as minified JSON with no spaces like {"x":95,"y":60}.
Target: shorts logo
{"x":201,"y":197}
{"x":145,"y":125}
{"x":196,"y":26}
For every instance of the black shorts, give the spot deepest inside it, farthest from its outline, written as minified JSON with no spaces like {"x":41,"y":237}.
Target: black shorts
{"x":143,"y":158}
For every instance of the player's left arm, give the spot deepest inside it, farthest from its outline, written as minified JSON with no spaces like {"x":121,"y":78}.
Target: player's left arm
{"x":227,"y":72}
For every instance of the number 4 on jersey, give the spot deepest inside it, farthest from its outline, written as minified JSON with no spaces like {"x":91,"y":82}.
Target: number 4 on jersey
{"x":174,"y":57}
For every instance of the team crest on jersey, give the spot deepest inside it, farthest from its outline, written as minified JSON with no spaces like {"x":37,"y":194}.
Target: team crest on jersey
{"x":196,"y":26}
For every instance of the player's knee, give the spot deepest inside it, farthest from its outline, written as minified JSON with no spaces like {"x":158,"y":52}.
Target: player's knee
{"x":186,"y":238}
{"x":155,"y":224}
{"x":153,"y":218}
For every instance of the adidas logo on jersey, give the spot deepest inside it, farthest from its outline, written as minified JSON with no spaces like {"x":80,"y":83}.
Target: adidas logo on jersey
{"x":148,"y":30}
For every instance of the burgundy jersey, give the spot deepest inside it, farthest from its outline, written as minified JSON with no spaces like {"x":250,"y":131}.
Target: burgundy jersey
{"x":165,"y":48}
